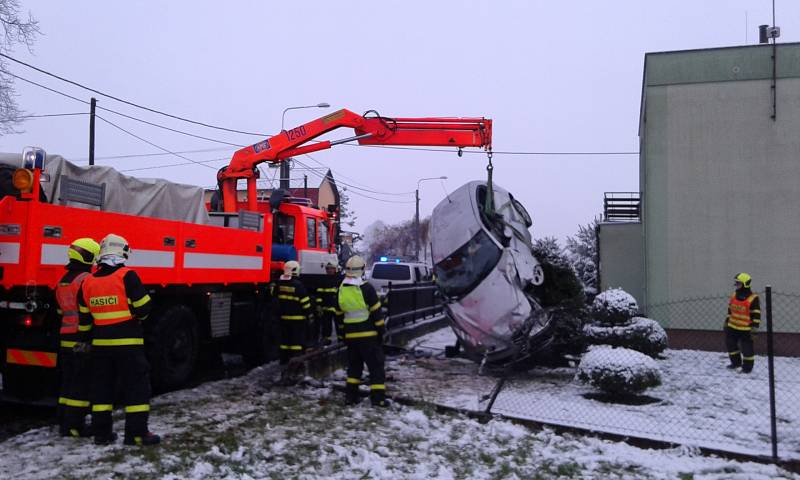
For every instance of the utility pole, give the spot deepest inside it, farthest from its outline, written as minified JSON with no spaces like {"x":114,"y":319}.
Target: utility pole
{"x":93,"y":106}
{"x":285,"y":172}
{"x":305,"y":186}
{"x":416,"y":225}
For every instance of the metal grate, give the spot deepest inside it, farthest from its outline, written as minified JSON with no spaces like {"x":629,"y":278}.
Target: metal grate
{"x":82,"y":192}
{"x":249,"y":220}
{"x":622,"y":207}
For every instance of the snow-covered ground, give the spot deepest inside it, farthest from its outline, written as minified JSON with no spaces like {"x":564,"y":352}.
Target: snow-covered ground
{"x":701,"y":403}
{"x":247,"y":428}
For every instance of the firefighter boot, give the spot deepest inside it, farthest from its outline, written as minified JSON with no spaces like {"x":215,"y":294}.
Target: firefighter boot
{"x":105,"y":438}
{"x":351,"y":396}
{"x":378,"y":398}
{"x":747,"y":364}
{"x":736,"y":359}
{"x":148,"y":438}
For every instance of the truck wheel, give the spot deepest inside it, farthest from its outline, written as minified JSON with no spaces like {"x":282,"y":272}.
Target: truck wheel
{"x":173,"y":347}
{"x":262,"y":343}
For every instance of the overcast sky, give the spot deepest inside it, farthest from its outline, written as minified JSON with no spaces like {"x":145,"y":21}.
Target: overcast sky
{"x":554,"y":76}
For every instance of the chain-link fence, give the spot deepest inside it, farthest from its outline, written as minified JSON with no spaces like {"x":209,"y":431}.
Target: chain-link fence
{"x":700,"y":401}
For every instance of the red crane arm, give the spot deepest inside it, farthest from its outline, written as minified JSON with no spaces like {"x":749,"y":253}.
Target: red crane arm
{"x":370,"y":130}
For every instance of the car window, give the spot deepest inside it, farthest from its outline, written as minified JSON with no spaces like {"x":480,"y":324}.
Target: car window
{"x":465,"y":268}
{"x":323,"y":234}
{"x":417,"y":274}
{"x":311,"y":224}
{"x":390,"y":271}
{"x":284,"y":229}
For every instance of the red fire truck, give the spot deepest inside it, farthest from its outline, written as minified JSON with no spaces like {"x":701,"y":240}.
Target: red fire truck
{"x":209,"y":278}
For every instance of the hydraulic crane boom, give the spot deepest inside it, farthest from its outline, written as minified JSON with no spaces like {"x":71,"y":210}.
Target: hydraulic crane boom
{"x":370,"y":130}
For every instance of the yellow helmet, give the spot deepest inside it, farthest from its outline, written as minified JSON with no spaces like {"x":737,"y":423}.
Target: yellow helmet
{"x":355,"y":266}
{"x":291,"y":268}
{"x":84,"y":250}
{"x":744,"y":279}
{"x":114,"y":245}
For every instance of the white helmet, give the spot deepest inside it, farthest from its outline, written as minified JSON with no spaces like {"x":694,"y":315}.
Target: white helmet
{"x":354,"y":267}
{"x":114,"y":245}
{"x":291,"y":268}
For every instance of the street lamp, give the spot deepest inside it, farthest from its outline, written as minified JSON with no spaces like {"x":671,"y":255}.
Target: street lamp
{"x":416,"y":216}
{"x":284,"y":182}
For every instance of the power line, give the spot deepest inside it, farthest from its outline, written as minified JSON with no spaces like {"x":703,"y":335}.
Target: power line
{"x":495,"y":152}
{"x":338,"y":174}
{"x":153,"y":144}
{"x":173,"y":165}
{"x":54,"y":115}
{"x":152,"y":110}
{"x":356,"y":192}
{"x":155,"y":154}
{"x":164,"y":127}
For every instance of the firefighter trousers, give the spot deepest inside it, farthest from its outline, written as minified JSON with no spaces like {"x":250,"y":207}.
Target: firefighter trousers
{"x":359,"y":352}
{"x":73,"y":397}
{"x":744,"y":356}
{"x":129,"y":369}
{"x":293,"y":339}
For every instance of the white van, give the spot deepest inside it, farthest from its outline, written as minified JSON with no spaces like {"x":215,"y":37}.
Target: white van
{"x":397,"y":273}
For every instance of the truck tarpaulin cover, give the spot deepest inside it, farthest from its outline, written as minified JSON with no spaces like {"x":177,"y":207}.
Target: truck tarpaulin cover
{"x":124,"y":194}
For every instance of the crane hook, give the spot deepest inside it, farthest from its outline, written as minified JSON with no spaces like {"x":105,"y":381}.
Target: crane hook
{"x":460,"y":152}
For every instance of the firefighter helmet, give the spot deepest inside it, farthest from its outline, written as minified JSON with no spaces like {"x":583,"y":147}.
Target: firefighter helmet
{"x":354,"y":267}
{"x":744,"y":279}
{"x":114,"y":245}
{"x":291,"y":268}
{"x":332,"y":264}
{"x":83,"y":250}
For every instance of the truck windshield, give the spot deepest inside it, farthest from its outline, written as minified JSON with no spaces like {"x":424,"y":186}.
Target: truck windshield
{"x":464,"y":269}
{"x":388,"y":271}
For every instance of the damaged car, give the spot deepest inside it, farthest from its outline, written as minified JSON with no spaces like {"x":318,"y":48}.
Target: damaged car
{"x":486,"y":270}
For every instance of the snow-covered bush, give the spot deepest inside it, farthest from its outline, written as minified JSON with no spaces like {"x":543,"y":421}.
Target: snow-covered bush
{"x":582,"y":253}
{"x":618,"y":371}
{"x":641,"y":334}
{"x":614,"y":306}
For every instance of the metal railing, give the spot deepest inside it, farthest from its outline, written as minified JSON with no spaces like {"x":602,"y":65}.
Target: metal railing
{"x":407,"y":303}
{"x":622,"y":206}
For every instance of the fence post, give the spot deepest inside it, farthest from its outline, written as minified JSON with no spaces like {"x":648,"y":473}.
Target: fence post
{"x":388,"y":302}
{"x":771,"y":368}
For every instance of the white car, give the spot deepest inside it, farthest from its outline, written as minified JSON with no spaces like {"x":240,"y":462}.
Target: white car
{"x":484,"y":267}
{"x":397,"y":273}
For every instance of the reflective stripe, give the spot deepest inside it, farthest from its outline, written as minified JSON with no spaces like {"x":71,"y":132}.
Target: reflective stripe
{"x":151,"y":258}
{"x":125,"y":314}
{"x":734,"y":354}
{"x":377,"y":386}
{"x":53,"y":254}
{"x":747,"y":359}
{"x":83,"y":309}
{"x":285,"y":288}
{"x":76,"y":403}
{"x":374,"y":307}
{"x":141,"y":301}
{"x":117,"y":342}
{"x":380,"y":323}
{"x":291,"y":347}
{"x":137,"y":408}
{"x":305,"y":300}
{"x":9,"y":253}
{"x":372,"y":333}
{"x":293,"y":317}
{"x":356,"y":316}
{"x":62,"y":400}
{"x":102,"y":407}
{"x":353,"y":381}
{"x":216,"y":260}
{"x":31,"y":357}
{"x":67,"y":344}
{"x":84,"y":328}
{"x":289,"y":297}
{"x":327,"y":290}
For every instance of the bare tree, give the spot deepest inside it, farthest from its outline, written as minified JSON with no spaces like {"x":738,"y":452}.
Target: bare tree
{"x":16,"y":31}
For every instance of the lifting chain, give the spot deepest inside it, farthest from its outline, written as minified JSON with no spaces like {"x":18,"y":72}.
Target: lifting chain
{"x":488,"y":205}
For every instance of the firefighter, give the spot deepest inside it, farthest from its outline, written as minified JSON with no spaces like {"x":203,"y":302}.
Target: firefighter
{"x":741,"y":324}
{"x":112,"y":304}
{"x":73,"y":399}
{"x":293,"y":310}
{"x":360,"y":313}
{"x":326,"y":303}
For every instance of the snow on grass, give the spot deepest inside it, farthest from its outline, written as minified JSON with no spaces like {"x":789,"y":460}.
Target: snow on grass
{"x":245,"y":428}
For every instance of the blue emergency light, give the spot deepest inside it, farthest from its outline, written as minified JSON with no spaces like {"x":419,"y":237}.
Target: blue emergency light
{"x":384,"y":259}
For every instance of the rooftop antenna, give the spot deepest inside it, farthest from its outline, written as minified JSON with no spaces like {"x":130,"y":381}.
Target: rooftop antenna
{"x":765,"y":33}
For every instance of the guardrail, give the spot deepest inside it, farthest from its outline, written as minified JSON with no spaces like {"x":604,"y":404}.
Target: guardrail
{"x":407,"y":303}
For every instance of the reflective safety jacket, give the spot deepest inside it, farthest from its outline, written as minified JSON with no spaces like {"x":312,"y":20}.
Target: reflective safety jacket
{"x":112,"y":303}
{"x":744,"y":311}
{"x":293,"y":303}
{"x":359,"y":309}
{"x":67,"y":299}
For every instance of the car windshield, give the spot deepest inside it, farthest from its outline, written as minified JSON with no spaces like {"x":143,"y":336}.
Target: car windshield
{"x":459,"y":273}
{"x":388,"y":271}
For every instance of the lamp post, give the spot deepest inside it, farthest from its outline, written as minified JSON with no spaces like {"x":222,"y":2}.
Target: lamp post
{"x":284,"y":183}
{"x":416,"y":216}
